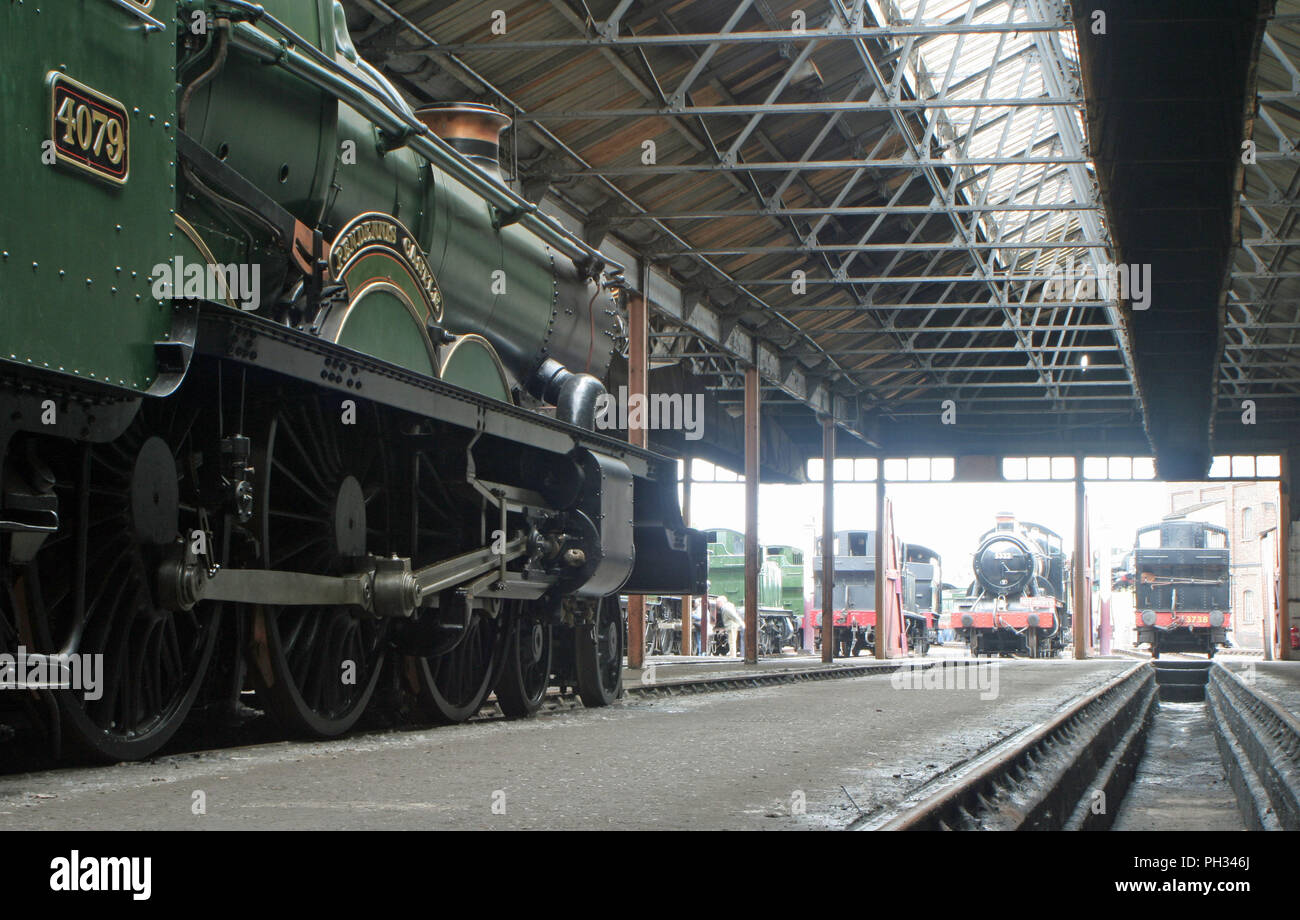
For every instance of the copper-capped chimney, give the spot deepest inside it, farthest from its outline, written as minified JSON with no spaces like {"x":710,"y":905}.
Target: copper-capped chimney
{"x":471,"y":128}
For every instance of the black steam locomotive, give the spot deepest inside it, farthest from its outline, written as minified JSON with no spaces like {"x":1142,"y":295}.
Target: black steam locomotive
{"x":1184,"y":595}
{"x":1018,"y":603}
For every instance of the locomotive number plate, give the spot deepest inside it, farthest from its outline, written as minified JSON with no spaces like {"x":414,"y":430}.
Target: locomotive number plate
{"x":90,"y":131}
{"x":1195,"y":619}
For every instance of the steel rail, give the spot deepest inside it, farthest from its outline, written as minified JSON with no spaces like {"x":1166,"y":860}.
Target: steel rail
{"x":1260,"y":744}
{"x":1033,"y":779}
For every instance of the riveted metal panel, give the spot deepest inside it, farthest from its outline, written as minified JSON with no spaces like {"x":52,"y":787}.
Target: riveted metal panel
{"x":77,"y":249}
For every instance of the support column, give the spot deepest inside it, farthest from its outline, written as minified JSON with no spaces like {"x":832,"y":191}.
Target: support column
{"x":1285,"y":516}
{"x":828,"y":540}
{"x":638,"y":375}
{"x":751,"y":514}
{"x":687,"y":648}
{"x":1268,"y":596}
{"x":1081,"y":601}
{"x":1105,"y":579}
{"x":882,"y":650}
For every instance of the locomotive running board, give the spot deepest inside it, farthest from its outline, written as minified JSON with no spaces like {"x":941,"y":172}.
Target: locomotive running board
{"x":231,"y":335}
{"x":669,"y":559}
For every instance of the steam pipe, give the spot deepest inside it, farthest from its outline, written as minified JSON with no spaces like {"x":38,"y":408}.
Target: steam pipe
{"x":574,"y":396}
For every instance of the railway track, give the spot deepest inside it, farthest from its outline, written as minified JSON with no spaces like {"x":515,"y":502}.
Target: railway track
{"x":1105,"y":762}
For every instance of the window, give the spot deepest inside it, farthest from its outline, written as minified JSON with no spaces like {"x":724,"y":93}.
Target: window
{"x":1015,"y":469}
{"x":1248,"y":607}
{"x":1260,"y":466}
{"x":1248,"y":523}
{"x":1119,"y":468}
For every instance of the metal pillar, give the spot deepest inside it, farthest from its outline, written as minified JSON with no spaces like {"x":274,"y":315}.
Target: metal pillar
{"x":1268,"y":596}
{"x":1104,"y":577}
{"x":881,"y":633}
{"x":638,"y":375}
{"x":751,"y":514}
{"x":1082,"y":602}
{"x":1287,"y":515}
{"x":687,"y":648}
{"x":828,"y":540}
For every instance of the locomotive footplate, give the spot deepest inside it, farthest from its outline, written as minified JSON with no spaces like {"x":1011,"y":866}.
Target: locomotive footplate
{"x":247,"y":339}
{"x":669,"y":558}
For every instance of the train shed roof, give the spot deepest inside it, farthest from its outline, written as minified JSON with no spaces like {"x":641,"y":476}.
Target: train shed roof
{"x":887,"y":204}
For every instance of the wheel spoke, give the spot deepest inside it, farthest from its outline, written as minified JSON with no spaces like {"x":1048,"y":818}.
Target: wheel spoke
{"x":309,"y":480}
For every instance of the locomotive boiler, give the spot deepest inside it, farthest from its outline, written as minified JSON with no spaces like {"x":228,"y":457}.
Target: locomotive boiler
{"x":1017,"y":604}
{"x":296,"y":394}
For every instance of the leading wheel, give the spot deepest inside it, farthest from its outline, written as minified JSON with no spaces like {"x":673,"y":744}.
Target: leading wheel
{"x":525,"y":662}
{"x":91,"y":589}
{"x":598,"y":655}
{"x":323,"y":488}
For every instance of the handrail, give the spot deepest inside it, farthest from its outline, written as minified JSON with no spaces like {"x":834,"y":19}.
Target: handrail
{"x":150,"y":23}
{"x":370,"y":102}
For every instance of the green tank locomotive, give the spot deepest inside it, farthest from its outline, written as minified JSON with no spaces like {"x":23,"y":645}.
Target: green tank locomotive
{"x":295,"y":392}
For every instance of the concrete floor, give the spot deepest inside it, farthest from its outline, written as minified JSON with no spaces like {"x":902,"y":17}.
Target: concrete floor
{"x":737,"y":759}
{"x":1278,"y":679}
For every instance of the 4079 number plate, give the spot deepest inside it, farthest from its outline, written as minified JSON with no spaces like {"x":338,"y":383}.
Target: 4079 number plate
{"x":90,"y":131}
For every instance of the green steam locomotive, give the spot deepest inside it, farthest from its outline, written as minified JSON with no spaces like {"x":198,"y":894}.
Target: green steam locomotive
{"x":296,"y":394}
